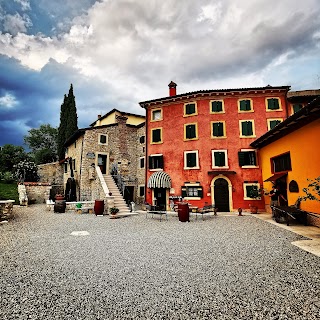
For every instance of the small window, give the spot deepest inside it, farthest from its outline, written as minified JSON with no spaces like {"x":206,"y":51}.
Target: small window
{"x":156,"y":135}
{"x":273,"y":123}
{"x":247,"y":158}
{"x":156,"y":115}
{"x":191,"y":160}
{"x":141,"y":163}
{"x":141,"y":191}
{"x":216,"y":106}
{"x":103,"y":139}
{"x":247,"y":128}
{"x":273,"y":104}
{"x":75,"y":144}
{"x":281,"y":163}
{"x":245,"y":105}
{"x":293,"y":186}
{"x":251,"y":190}
{"x":191,"y":131}
{"x":296,"y":107}
{"x":74,"y":164}
{"x":192,"y":192}
{"x":65,"y":167}
{"x":190,"y":109}
{"x":218,"y":129}
{"x":156,"y":161}
{"x":142,"y":139}
{"x":219,"y":159}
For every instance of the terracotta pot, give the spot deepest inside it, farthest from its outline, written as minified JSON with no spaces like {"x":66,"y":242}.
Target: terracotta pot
{"x":254,"y":209}
{"x":59,"y":197}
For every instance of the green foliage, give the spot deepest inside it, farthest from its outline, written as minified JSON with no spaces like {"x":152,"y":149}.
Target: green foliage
{"x":26,"y":171}
{"x":312,"y":191}
{"x":113,"y":210}
{"x":6,"y":177}
{"x":11,"y":155}
{"x":9,"y":192}
{"x":43,"y":143}
{"x":68,"y":122}
{"x":254,"y":192}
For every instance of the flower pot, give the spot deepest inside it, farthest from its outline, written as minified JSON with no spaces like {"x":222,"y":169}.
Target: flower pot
{"x":253,"y":209}
{"x":59,"y":197}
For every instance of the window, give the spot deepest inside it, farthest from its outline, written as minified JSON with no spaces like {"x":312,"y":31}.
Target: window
{"x":191,"y":160}
{"x":217,"y":106}
{"x":156,"y":135}
{"x":142,"y":139}
{"x":245,"y":105}
{"x":74,"y":164}
{"x":192,"y":192}
{"x":103,"y":139}
{"x":156,"y":161}
{"x":219,"y":159}
{"x":273,"y":104}
{"x":281,"y":163}
{"x":249,"y":189}
{"x":273,"y":122}
{"x":65,"y":167}
{"x":247,"y":128}
{"x":156,"y":114}
{"x":247,"y":158}
{"x":141,"y":191}
{"x":218,"y":129}
{"x":190,"y":131}
{"x":190,"y":109}
{"x":141,"y":162}
{"x":296,"y":107}
{"x":75,"y":144}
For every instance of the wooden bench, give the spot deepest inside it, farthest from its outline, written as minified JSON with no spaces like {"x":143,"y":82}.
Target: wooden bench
{"x":289,"y":212}
{"x":206,"y":209}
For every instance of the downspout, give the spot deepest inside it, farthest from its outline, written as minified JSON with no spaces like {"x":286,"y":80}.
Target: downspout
{"x":81,"y":167}
{"x":147,"y":159}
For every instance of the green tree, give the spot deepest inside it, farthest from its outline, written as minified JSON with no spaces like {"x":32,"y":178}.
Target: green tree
{"x":68,"y":121}
{"x":43,"y":143}
{"x":11,"y":155}
{"x":26,"y":170}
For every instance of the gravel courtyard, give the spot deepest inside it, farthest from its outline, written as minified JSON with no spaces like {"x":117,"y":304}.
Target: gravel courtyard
{"x":225,"y":267}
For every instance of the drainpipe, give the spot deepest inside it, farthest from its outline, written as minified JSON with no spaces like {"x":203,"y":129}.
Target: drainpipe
{"x":81,"y":168}
{"x":147,"y":159}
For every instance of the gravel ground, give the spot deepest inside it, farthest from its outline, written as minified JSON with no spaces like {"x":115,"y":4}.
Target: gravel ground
{"x":225,"y":267}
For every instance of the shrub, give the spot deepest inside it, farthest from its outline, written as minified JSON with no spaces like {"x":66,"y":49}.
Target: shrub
{"x":26,"y":171}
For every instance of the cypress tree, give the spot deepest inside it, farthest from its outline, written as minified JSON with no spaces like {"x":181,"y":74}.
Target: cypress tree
{"x":62,"y":130}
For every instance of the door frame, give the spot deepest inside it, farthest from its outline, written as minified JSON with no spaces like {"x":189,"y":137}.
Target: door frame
{"x":229,"y":189}
{"x":107,"y":162}
{"x":166,"y":192}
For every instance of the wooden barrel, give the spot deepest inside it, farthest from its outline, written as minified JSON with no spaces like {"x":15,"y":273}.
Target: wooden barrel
{"x":98,"y":207}
{"x":60,"y":206}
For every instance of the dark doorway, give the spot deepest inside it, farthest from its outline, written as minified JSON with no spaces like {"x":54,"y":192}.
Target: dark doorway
{"x":102,"y":163}
{"x":71,"y":190}
{"x":160,"y":196}
{"x":128,"y":194}
{"x":282,"y":185}
{"x":221,"y":195}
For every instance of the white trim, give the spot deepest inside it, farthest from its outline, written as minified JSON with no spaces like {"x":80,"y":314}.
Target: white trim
{"x":245,"y":191}
{"x":253,"y":128}
{"x":107,"y":139}
{"x":229,"y":187}
{"x":213,"y":166}
{"x":185,"y":160}
{"x":192,"y":114}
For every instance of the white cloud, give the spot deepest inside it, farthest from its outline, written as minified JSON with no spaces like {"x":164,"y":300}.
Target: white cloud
{"x":8,"y":101}
{"x":15,"y":24}
{"x":25,"y":4}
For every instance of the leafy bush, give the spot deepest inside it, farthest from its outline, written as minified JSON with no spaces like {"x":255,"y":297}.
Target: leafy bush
{"x":26,"y":171}
{"x":312,"y":191}
{"x":9,"y":191}
{"x":6,"y":177}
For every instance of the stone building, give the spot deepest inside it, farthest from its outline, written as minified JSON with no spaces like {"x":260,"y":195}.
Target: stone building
{"x":115,"y":144}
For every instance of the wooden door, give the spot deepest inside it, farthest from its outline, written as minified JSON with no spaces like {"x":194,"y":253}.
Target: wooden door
{"x":221,"y":195}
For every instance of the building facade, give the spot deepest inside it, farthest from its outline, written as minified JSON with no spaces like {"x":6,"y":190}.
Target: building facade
{"x":114,"y":143}
{"x":198,"y":145}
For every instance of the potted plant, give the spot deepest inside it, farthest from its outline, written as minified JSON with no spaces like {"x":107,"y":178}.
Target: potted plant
{"x":113,"y":210}
{"x":255,"y":194}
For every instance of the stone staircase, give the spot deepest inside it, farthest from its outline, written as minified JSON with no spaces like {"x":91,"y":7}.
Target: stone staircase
{"x":118,"y":199}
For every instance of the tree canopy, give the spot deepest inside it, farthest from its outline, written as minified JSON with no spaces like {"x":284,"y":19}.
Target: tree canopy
{"x":11,"y":155}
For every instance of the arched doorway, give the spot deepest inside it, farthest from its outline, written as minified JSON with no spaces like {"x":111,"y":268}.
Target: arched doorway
{"x":222,"y":194}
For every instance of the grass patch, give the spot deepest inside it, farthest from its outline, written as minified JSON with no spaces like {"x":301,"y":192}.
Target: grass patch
{"x":9,"y":191}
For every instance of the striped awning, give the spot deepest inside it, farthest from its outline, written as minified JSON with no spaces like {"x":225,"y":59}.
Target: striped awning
{"x":159,"y":179}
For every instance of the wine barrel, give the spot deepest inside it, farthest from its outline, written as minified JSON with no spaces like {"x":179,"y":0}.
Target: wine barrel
{"x":98,"y":207}
{"x":60,"y":206}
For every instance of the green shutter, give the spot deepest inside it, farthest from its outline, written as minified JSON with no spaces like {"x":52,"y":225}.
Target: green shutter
{"x":183,"y":192}
{"x":241,"y":156}
{"x":191,"y":160}
{"x":245,"y":105}
{"x":190,"y":108}
{"x":273,"y":104}
{"x":156,"y":135}
{"x":218,"y":129}
{"x":216,"y":106}
{"x":190,"y":131}
{"x":219,"y":159}
{"x":200,"y":192}
{"x":247,"y":128}
{"x":274,"y":123}
{"x":296,"y":107}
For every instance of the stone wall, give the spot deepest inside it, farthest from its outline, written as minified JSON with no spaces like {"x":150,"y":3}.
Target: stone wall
{"x":51,"y":173}
{"x":314,"y":219}
{"x":38,"y":191}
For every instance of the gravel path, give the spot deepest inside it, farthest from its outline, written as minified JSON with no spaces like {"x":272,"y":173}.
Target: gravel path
{"x":136,"y":268}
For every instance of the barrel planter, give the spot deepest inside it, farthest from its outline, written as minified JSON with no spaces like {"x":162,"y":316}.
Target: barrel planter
{"x":60,"y":206}
{"x":98,"y":207}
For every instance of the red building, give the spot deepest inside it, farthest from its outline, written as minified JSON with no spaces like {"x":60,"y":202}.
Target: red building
{"x":198,"y":144}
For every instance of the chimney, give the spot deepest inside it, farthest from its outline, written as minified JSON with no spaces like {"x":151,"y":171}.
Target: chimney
{"x":99,"y":116}
{"x":172,"y":89}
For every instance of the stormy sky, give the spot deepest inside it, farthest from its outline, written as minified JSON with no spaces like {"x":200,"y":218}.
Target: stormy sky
{"x":117,"y":53}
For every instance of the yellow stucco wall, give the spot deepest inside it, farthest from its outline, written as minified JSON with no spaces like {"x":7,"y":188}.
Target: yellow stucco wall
{"x":304,"y":148}
{"x":111,"y":118}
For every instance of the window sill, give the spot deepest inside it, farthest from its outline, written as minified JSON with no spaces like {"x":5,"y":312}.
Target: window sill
{"x":190,"y":115}
{"x":248,"y":137}
{"x":191,"y":168}
{"x":222,"y":137}
{"x":274,"y":110}
{"x":158,"y":169}
{"x":192,"y":198}
{"x":250,"y":167}
{"x":220,"y":167}
{"x":193,"y":139}
{"x":156,"y":120}
{"x":217,"y":112}
{"x":156,"y":142}
{"x":245,"y":111}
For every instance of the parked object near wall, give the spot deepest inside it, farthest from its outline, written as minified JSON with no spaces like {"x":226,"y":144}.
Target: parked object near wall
{"x":99,"y":207}
{"x":23,"y":198}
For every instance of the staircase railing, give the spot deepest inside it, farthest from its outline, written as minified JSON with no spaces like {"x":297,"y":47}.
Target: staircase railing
{"x":117,"y":178}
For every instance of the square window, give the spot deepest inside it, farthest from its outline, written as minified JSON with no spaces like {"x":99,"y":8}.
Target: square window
{"x":156,"y":135}
{"x":190,"y":131}
{"x":191,"y":160}
{"x":296,"y":107}
{"x":218,"y":129}
{"x":103,"y":139}
{"x":245,"y":105}
{"x":156,"y":161}
{"x":281,"y":163}
{"x":273,"y":104}
{"x":156,"y":114}
{"x":142,"y":139}
{"x":141,"y":191}
{"x":141,"y":163}
{"x":216,"y":106}
{"x":74,"y":164}
{"x":190,"y":109}
{"x":219,"y":159}
{"x":251,"y":191}
{"x":192,"y":192}
{"x":246,"y":128}
{"x":247,"y":158}
{"x":65,"y":167}
{"x":273,"y":123}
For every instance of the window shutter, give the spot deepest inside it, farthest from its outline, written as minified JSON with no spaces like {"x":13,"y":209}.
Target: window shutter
{"x":142,"y":139}
{"x":241,"y":156}
{"x":216,"y":106}
{"x":190,"y":131}
{"x":244,"y":128}
{"x":200,"y":192}
{"x":150,"y":162}
{"x":183,"y":192}
{"x":243,"y":105}
{"x":103,"y":138}
{"x":219,"y":159}
{"x":296,"y":107}
{"x":156,"y":135}
{"x":190,"y":108}
{"x":274,"y":123}
{"x":160,"y":162}
{"x":191,"y":160}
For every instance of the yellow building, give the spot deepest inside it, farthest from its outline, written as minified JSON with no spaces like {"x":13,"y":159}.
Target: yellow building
{"x":289,"y":154}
